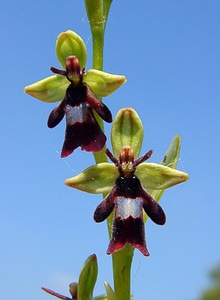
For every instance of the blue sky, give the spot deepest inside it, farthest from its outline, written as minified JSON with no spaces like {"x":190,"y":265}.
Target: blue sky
{"x":169,"y":52}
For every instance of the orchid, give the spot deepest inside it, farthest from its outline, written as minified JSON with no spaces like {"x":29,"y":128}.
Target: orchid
{"x":127,"y":182}
{"x":80,"y":90}
{"x":82,"y":129}
{"x":129,"y":198}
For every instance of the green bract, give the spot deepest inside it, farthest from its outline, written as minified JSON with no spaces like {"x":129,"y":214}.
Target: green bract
{"x":53,"y":88}
{"x":170,"y":160}
{"x":109,"y":292}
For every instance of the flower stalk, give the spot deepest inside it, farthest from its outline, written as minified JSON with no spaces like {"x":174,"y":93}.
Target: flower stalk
{"x":97,"y":12}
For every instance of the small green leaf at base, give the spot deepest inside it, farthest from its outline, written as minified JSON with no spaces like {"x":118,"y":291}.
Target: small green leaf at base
{"x":87,"y":279}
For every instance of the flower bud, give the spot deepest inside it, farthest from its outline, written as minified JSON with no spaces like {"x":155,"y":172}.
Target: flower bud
{"x":73,"y":290}
{"x":70,"y":43}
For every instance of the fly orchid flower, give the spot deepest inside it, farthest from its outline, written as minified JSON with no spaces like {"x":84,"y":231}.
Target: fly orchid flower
{"x":128,"y":199}
{"x":133,"y":186}
{"x":82,"y":129}
{"x":80,"y":91}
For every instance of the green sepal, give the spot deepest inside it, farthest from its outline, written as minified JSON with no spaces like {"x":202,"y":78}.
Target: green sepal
{"x":50,"y":89}
{"x":103,"y":84}
{"x":127,"y":130}
{"x":97,"y":179}
{"x":158,"y":177}
{"x":100,"y":178}
{"x":53,"y":88}
{"x":87,"y":279}
{"x":70,"y":43}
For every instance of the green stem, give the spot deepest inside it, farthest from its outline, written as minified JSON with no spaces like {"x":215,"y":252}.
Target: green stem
{"x":95,"y":16}
{"x":121,"y":262}
{"x":97,"y":12}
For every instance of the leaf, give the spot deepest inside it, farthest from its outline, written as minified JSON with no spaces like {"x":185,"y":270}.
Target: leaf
{"x":87,"y":279}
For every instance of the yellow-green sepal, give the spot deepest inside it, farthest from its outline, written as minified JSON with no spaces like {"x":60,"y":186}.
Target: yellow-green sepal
{"x":70,"y":43}
{"x":50,"y":89}
{"x":97,"y":179}
{"x":159,"y":177}
{"x":127,"y":130}
{"x":103,"y":84}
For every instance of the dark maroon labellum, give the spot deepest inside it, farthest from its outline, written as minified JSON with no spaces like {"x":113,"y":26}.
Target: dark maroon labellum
{"x":128,"y":198}
{"x":82,"y":129}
